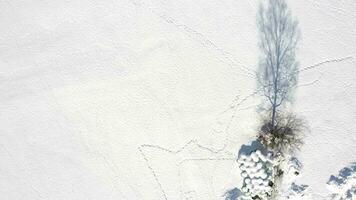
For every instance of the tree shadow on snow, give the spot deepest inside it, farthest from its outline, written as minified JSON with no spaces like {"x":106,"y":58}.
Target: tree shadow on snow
{"x":248,"y":149}
{"x":233,"y":194}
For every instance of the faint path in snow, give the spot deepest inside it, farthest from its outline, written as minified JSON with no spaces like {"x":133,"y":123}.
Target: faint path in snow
{"x":311,"y":82}
{"x":223,"y":55}
{"x":228,"y":59}
{"x":174,"y":152}
{"x":319,"y":64}
{"x":336,"y":60}
{"x":336,"y":9}
{"x":211,"y":177}
{"x":234,"y":107}
{"x":153,"y":172}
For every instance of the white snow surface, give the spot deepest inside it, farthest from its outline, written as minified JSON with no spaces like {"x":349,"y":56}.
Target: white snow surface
{"x":143,"y":99}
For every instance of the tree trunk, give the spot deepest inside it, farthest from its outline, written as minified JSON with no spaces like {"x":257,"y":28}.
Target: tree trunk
{"x":273,"y":114}
{"x":274,"y":105}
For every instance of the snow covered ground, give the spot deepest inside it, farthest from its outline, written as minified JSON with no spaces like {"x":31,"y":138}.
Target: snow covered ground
{"x":143,"y":99}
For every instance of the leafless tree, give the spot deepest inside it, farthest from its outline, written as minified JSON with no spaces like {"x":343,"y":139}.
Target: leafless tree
{"x":278,"y":39}
{"x":287,"y":136}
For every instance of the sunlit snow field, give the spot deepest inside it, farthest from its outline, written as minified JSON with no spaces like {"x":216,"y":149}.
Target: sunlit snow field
{"x":120,"y":99}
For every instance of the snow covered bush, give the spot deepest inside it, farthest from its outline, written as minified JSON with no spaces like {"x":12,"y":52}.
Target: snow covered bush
{"x":343,"y":186}
{"x":286,"y":136}
{"x":268,"y":175}
{"x":257,"y":171}
{"x":287,"y":188}
{"x":297,"y":192}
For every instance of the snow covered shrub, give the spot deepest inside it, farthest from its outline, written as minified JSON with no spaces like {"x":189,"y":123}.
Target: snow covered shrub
{"x":285,"y":185}
{"x":257,"y":171}
{"x":297,"y":192}
{"x":268,"y":175}
{"x":291,"y":168}
{"x":285,"y":136}
{"x":343,"y":186}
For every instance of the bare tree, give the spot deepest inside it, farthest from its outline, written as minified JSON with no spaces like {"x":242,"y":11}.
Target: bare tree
{"x":287,"y":137}
{"x":278,"y":39}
